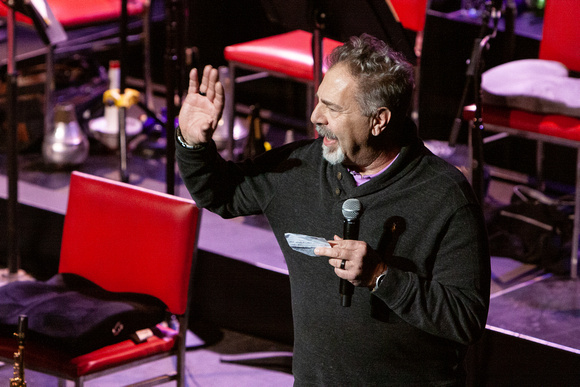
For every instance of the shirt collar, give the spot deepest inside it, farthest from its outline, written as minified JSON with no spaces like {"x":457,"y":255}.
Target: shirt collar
{"x":361,"y":179}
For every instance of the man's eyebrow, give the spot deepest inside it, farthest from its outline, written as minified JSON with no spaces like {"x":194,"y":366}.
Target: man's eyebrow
{"x":331,"y":104}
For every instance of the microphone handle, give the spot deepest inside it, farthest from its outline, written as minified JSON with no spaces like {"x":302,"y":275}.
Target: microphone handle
{"x":350,"y":231}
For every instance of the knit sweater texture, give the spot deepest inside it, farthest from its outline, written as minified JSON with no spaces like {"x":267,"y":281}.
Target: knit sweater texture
{"x":420,"y":215}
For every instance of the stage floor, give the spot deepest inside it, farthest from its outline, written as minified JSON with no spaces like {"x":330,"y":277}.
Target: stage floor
{"x":545,"y":309}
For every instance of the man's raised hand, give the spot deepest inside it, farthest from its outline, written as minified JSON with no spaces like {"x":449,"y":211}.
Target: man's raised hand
{"x":202,"y":107}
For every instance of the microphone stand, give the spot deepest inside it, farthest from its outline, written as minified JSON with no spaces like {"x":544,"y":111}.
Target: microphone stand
{"x":473,"y":75}
{"x":174,"y":79}
{"x":12,"y":143}
{"x":317,"y":56}
{"x":123,"y":109}
{"x":51,"y":32}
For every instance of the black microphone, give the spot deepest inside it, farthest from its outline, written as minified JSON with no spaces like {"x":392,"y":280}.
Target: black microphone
{"x":351,"y":211}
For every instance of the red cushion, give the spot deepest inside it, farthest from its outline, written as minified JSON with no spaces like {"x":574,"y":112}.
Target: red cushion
{"x":71,"y":13}
{"x":552,"y":125}
{"x":289,"y":53}
{"x":38,"y":357}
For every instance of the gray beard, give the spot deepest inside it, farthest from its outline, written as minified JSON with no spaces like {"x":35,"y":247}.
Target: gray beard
{"x":332,"y":156}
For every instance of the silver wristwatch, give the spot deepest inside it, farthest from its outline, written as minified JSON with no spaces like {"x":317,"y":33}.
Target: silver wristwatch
{"x":182,"y":141}
{"x":380,"y":279}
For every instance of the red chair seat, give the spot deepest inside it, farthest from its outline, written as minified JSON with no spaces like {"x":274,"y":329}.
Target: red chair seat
{"x":564,"y":127}
{"x":40,"y":358}
{"x":118,"y":354}
{"x":289,"y":53}
{"x":71,"y":13}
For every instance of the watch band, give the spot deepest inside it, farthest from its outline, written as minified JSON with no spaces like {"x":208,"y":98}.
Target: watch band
{"x":379,"y":279}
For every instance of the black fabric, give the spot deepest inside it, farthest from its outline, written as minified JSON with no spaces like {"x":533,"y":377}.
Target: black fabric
{"x":533,"y":229}
{"x":74,"y":314}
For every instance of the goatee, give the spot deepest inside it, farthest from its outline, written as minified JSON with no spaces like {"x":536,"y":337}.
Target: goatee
{"x":333,"y":156}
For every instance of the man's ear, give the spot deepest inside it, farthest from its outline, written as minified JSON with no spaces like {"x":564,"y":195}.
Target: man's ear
{"x":380,"y":121}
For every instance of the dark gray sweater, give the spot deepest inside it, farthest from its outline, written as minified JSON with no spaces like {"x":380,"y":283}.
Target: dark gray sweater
{"x":420,"y":215}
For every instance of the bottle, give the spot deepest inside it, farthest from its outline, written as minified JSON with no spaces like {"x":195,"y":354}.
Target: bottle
{"x":112,"y":112}
{"x":66,"y":144}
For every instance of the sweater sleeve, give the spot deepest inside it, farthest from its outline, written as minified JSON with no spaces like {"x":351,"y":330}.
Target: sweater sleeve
{"x":452,"y":303}
{"x":214,"y":183}
{"x":232,"y":189}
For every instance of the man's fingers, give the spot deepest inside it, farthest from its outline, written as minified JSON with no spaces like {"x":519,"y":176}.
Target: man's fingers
{"x":213,"y":79}
{"x":193,"y":82}
{"x":325,"y":251}
{"x":219,"y":99}
{"x":208,"y":80}
{"x":204,"y":79}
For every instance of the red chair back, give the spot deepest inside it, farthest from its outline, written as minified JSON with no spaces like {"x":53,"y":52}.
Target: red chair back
{"x":129,"y":239}
{"x":411,"y":13}
{"x":561,"y":33}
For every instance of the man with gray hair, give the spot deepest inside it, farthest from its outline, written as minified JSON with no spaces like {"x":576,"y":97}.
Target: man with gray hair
{"x":419,"y":264}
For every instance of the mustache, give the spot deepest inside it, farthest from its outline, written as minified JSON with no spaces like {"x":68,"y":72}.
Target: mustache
{"x":324,"y":132}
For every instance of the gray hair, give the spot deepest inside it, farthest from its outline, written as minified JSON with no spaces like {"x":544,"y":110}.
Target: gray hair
{"x":385,"y":78}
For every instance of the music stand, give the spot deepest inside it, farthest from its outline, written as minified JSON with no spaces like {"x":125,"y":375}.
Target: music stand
{"x":473,"y":81}
{"x":175,"y":79}
{"x":51,"y":32}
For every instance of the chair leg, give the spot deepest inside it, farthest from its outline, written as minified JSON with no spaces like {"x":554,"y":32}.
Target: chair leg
{"x":540,"y":183}
{"x":310,"y":102}
{"x":470,"y":157}
{"x":576,"y":229}
{"x":415,"y":106}
{"x":231,"y":106}
{"x":147,"y":56}
{"x":181,"y":359}
{"x":49,"y":88}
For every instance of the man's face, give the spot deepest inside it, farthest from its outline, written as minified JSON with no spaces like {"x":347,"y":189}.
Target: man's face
{"x":339,"y":120}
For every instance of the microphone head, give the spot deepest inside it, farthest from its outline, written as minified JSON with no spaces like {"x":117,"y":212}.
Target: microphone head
{"x":351,"y":209}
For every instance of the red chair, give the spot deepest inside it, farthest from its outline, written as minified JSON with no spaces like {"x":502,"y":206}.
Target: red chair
{"x":288,"y":55}
{"x":124,"y":239}
{"x":560,"y":42}
{"x":71,"y":15}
